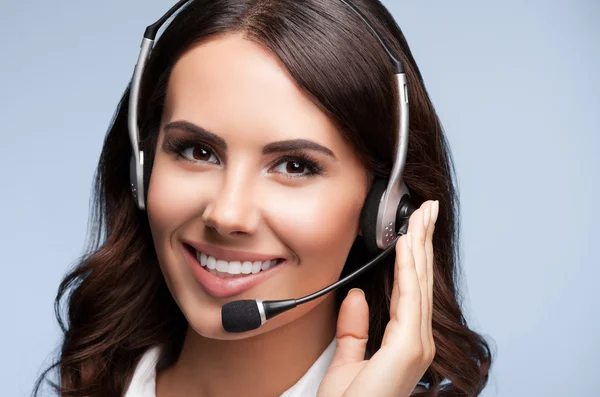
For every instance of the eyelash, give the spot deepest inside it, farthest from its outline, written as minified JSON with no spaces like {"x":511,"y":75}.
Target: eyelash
{"x":178,"y":146}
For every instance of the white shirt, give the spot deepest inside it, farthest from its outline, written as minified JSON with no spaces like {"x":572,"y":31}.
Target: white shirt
{"x":143,"y":382}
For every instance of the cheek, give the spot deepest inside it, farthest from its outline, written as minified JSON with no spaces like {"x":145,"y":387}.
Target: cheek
{"x":164,"y":213}
{"x":172,"y":199}
{"x":321,"y":223}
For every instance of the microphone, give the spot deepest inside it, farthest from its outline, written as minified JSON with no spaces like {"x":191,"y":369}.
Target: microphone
{"x":248,"y":314}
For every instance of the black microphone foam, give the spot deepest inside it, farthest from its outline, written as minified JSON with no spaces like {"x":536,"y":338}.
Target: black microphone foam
{"x":240,"y":316}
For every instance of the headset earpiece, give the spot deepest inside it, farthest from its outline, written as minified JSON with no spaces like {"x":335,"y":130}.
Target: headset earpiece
{"x":368,"y":214}
{"x":405,"y":210}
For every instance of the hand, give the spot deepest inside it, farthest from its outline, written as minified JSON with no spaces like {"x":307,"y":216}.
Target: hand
{"x":407,"y":348}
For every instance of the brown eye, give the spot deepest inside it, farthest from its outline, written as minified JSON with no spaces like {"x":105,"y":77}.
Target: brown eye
{"x":297,"y":167}
{"x":294,"y":167}
{"x":199,"y":153}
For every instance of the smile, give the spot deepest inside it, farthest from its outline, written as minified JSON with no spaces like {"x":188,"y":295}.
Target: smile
{"x":226,"y":278}
{"x":223,"y":268}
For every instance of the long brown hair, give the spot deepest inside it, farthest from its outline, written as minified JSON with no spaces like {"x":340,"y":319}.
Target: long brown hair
{"x":118,"y":304}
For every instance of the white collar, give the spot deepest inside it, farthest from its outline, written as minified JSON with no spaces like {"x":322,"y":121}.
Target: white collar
{"x":143,"y":382}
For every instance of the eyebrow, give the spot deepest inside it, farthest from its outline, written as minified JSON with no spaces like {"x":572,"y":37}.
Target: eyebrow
{"x":296,"y":144}
{"x":196,"y":130}
{"x":273,"y":147}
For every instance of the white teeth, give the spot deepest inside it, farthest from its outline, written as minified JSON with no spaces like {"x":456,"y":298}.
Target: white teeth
{"x":222,"y":266}
{"x":265,"y":265}
{"x":235,"y":267}
{"x":230,"y":269}
{"x":211,"y":263}
{"x":247,"y":267}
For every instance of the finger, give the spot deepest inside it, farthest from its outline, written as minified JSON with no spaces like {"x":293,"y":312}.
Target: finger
{"x":352,"y":329}
{"x":428,"y":336}
{"x":431,"y":262}
{"x":420,"y":230}
{"x":400,"y":245}
{"x":429,"y":249}
{"x":408,"y":308}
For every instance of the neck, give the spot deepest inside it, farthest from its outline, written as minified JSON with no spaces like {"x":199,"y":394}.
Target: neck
{"x":263,"y":365}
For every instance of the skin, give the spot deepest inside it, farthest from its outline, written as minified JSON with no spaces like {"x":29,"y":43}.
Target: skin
{"x":241,"y":199}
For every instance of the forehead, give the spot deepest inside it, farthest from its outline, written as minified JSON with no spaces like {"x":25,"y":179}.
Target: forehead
{"x":231,"y":85}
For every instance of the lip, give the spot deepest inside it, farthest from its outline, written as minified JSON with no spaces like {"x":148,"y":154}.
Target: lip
{"x":220,"y":287}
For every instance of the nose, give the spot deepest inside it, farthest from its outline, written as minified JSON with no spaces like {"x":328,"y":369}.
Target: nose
{"x":231,"y":210}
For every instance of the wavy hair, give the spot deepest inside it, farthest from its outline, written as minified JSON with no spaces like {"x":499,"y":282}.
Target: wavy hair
{"x":118,"y":304}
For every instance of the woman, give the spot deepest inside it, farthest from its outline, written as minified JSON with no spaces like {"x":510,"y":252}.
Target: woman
{"x":227,"y":82}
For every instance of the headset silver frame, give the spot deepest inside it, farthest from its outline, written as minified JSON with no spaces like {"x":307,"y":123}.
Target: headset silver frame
{"x":136,"y":167}
{"x":385,"y":231}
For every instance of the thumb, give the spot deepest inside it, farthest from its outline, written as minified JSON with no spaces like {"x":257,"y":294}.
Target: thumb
{"x":352,"y":329}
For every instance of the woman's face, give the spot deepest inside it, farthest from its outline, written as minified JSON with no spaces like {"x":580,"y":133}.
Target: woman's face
{"x":248,"y":170}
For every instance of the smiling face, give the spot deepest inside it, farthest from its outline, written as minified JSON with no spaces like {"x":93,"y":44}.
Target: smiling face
{"x":248,"y":169}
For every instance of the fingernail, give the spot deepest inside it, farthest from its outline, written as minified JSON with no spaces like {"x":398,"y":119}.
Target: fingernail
{"x":357,"y":289}
{"x":426,"y":215}
{"x":409,"y":240}
{"x":435,"y":211}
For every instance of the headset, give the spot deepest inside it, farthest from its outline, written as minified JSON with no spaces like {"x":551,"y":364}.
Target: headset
{"x":384,"y":215}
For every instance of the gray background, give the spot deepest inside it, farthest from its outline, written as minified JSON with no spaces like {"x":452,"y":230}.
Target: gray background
{"x":516,"y":86}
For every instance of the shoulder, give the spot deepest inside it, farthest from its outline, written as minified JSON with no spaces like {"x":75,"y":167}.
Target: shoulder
{"x":143,"y":381}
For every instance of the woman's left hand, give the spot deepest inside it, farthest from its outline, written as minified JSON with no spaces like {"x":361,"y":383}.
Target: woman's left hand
{"x":407,"y":348}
